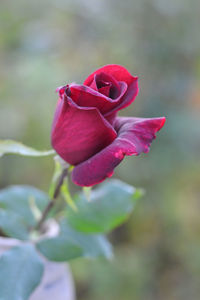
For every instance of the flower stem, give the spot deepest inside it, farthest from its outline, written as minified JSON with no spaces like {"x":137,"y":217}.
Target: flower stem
{"x":51,"y":204}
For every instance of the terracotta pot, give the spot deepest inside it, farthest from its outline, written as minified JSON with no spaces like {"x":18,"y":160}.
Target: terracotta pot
{"x":57,"y":282}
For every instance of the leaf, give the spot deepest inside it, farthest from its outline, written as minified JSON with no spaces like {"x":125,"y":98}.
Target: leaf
{"x":109,"y":206}
{"x":21,"y":272}
{"x":67,"y":196}
{"x":71,"y":244}
{"x":18,"y":199}
{"x":12,"y":225}
{"x":13,"y":147}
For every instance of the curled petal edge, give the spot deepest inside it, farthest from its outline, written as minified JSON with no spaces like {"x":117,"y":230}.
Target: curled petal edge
{"x":134,"y":136}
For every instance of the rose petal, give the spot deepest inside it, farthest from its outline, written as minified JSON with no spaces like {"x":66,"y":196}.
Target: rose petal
{"x":79,"y":133}
{"x":129,"y":96}
{"x":85,"y":96}
{"x":118,"y":72}
{"x":111,"y":118}
{"x":134,"y":136}
{"x":57,"y":113}
{"x":105,"y":90}
{"x":122,"y":75}
{"x":103,"y":79}
{"x":138,"y":131}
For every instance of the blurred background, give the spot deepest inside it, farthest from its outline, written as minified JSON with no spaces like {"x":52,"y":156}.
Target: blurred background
{"x":46,"y":44}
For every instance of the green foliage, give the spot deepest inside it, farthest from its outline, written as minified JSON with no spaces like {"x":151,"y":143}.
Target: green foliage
{"x":13,"y":147}
{"x":17,"y":212}
{"x":13,"y":225}
{"x":71,"y":244}
{"x":67,"y":196}
{"x":100,"y":211}
{"x":21,"y":271}
{"x":107,"y":207}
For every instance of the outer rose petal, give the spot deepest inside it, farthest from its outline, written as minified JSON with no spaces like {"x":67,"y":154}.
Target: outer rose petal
{"x":79,"y":133}
{"x":120,"y":74}
{"x":138,"y":131}
{"x":134,"y":136}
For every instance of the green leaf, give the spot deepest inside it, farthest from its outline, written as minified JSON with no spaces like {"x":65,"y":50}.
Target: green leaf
{"x":19,"y":198}
{"x":13,"y":225}
{"x":109,"y":206}
{"x":13,"y":147}
{"x":21,"y":272}
{"x":71,"y":244}
{"x":67,"y":196}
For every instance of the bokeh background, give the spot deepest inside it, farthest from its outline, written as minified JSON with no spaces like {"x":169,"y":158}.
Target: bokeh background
{"x":45,"y":44}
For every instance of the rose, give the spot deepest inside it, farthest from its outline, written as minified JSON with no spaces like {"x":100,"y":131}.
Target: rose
{"x":86,"y":131}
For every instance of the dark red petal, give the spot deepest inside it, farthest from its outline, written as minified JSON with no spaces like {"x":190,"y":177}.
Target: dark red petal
{"x":85,"y":96}
{"x":105,"y":90}
{"x":116,"y":71}
{"x":129,"y":96}
{"x":93,"y":85}
{"x":121,"y":75}
{"x":111,"y":118}
{"x":139,"y":132}
{"x":57,"y":113}
{"x":102,"y":79}
{"x":134,"y":136}
{"x":79,"y":133}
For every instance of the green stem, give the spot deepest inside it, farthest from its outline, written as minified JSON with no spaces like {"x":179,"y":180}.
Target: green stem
{"x":53,"y":201}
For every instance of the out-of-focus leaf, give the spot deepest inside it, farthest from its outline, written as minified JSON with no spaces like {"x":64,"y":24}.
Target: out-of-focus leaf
{"x":18,"y":199}
{"x":109,"y":206}
{"x":21,"y":272}
{"x":13,"y":225}
{"x":67,"y":196}
{"x":71,"y":244}
{"x":13,"y":147}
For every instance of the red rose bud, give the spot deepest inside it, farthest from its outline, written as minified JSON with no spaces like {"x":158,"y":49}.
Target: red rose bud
{"x":86,"y":131}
